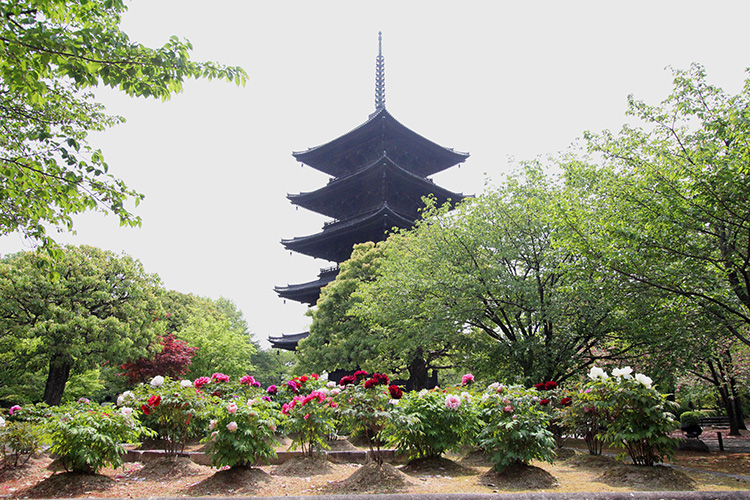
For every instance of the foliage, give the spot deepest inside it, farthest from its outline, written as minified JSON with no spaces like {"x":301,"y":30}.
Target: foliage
{"x":172,"y":360}
{"x":99,"y":309}
{"x":242,"y":432}
{"x":172,"y":409}
{"x":690,"y":418}
{"x":88,"y":437}
{"x":367,"y":407}
{"x":429,"y":423}
{"x":583,"y":417}
{"x":220,"y":347}
{"x":338,"y":339}
{"x":310,"y":420}
{"x":19,"y":441}
{"x":667,"y":205}
{"x":516,"y":426}
{"x":636,"y":414}
{"x":50,"y":52}
{"x":488,"y":279}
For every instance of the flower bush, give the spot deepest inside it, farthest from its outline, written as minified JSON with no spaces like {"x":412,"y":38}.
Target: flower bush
{"x":88,"y":438}
{"x":310,"y":420}
{"x":367,"y":405}
{"x":636,"y":415}
{"x":242,"y":433}
{"x":429,"y":423}
{"x":582,"y":416}
{"x":19,"y":441}
{"x":175,"y":411}
{"x":515,"y":426}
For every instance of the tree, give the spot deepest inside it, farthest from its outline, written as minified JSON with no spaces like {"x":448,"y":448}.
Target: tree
{"x":667,"y":205}
{"x":488,"y":279}
{"x":101,"y":308}
{"x":173,"y":360}
{"x":220,"y":348}
{"x":50,"y":52}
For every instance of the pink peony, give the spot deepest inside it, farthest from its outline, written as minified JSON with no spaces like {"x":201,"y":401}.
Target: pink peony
{"x":219,"y":377}
{"x":452,"y":401}
{"x":232,"y":407}
{"x":232,"y":426}
{"x":201,"y":381}
{"x":508,"y":409}
{"x":212,"y":425}
{"x":467,"y":379}
{"x":13,"y":409}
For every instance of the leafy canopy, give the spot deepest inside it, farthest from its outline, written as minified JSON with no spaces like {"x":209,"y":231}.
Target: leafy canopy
{"x":51,"y":51}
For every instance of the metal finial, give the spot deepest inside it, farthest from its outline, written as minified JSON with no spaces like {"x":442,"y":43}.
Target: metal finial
{"x":380,"y":75}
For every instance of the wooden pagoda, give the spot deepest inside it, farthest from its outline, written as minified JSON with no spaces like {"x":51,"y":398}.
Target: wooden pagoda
{"x":379,"y":176}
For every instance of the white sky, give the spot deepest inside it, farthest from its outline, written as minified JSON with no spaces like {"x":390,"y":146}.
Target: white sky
{"x":497,"y":79}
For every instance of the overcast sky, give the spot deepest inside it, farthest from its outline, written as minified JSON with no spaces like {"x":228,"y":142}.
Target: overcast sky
{"x":500,"y":80}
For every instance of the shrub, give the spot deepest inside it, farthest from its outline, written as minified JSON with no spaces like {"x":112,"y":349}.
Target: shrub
{"x":690,"y":418}
{"x":310,"y":420}
{"x":242,"y":434}
{"x":175,"y":410}
{"x":516,"y":426}
{"x":583,"y":417}
{"x":19,"y":441}
{"x":636,"y":414}
{"x":86,"y":439}
{"x":429,"y":423}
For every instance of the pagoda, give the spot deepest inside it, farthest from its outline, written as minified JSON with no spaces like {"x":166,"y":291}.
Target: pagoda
{"x":379,"y":176}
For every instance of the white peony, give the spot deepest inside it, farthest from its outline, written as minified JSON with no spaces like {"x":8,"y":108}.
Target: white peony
{"x":157,"y":381}
{"x":622,"y":372}
{"x":186,"y":383}
{"x":597,"y":372}
{"x":126,"y":411}
{"x":643,"y":379}
{"x":124,"y":397}
{"x":2,"y":422}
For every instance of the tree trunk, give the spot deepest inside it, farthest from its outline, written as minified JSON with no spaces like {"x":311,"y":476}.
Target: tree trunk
{"x":737,"y":401}
{"x":726,"y":400}
{"x":417,"y":372}
{"x":59,"y":372}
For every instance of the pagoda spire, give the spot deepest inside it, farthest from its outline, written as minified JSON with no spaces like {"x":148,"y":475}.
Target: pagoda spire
{"x":380,"y":76}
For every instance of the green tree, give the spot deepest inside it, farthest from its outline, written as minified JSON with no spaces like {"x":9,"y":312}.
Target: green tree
{"x":490,"y":271}
{"x":50,"y":52}
{"x":667,"y":205}
{"x":220,"y":347}
{"x":100,"y":309}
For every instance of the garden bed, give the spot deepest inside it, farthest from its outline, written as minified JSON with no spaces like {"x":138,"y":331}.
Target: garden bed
{"x":469,"y":473}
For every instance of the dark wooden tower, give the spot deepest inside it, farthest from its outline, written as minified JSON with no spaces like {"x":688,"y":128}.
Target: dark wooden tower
{"x":379,"y":175}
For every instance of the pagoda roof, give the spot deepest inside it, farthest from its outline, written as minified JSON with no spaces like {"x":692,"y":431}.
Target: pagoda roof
{"x":381,"y":180}
{"x":337,"y":239}
{"x":287,"y":342}
{"x":380,"y":134}
{"x":307,"y":293}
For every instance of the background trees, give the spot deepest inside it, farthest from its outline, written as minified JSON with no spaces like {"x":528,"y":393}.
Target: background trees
{"x":50,"y":52}
{"x":100,"y":310}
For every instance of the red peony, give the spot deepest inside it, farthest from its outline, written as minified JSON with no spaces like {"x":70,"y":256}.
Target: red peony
{"x":370,"y":383}
{"x":566,"y":402}
{"x":348,"y":379}
{"x":154,"y":400}
{"x":146,"y":409}
{"x":314,"y":376}
{"x":395,"y":392}
{"x":360,"y":374}
{"x":550,"y":385}
{"x":381,"y":378}
{"x":540,"y":387}
{"x":544,"y":402}
{"x":303,"y":379}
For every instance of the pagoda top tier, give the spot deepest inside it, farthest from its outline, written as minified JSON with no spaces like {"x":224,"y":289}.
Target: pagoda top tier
{"x":380,"y":135}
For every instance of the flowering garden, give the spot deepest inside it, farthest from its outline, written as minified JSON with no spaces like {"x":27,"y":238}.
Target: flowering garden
{"x":240,"y":421}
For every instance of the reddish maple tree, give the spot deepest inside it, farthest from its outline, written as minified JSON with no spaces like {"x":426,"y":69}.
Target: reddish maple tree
{"x":172,"y":361}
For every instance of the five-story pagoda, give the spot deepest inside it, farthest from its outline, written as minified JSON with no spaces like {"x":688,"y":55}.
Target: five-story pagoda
{"x":379,"y":175}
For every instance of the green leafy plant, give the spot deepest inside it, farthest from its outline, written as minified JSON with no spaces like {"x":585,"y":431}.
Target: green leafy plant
{"x":88,"y":438}
{"x":516,"y":426}
{"x":242,"y":432}
{"x":690,"y":418}
{"x":584,"y":417}
{"x":637,"y":416}
{"x":19,"y":441}
{"x":429,"y":423}
{"x":310,"y":420}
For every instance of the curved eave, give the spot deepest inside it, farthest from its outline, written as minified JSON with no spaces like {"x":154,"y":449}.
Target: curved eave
{"x":335,"y":242}
{"x":306,"y":293}
{"x":319,"y":157}
{"x":319,"y":201}
{"x":287,"y":342}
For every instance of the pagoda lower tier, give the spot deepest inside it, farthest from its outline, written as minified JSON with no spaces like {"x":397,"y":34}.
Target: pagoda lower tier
{"x":287,"y":342}
{"x":337,"y":239}
{"x":308,"y":293}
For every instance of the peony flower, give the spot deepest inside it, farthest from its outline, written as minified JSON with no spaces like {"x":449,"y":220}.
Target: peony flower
{"x":348,"y":379}
{"x":597,"y":372}
{"x":381,"y":378}
{"x":212,"y":424}
{"x":232,"y":407}
{"x":314,"y":376}
{"x":186,"y":383}
{"x":395,"y":392}
{"x":157,"y":381}
{"x":201,"y":381}
{"x":124,"y":397}
{"x":548,"y":386}
{"x":247,"y":380}
{"x":544,"y":402}
{"x":272,"y":390}
{"x":294,"y":386}
{"x":508,"y":409}
{"x":154,"y":400}
{"x":643,"y":379}
{"x":360,"y":374}
{"x":2,"y":422}
{"x":146,"y":409}
{"x":452,"y":401}
{"x":331,"y":384}
{"x":272,"y":427}
{"x":467,"y":379}
{"x":622,"y":372}
{"x":213,"y":435}
{"x":232,"y":426}
{"x":126,"y":411}
{"x":466,"y":396}
{"x":540,"y":386}
{"x":566,"y":402}
{"x":219,"y":377}
{"x":370,"y":383}
{"x":84,"y":401}
{"x":335,"y":391}
{"x":307,"y":415}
